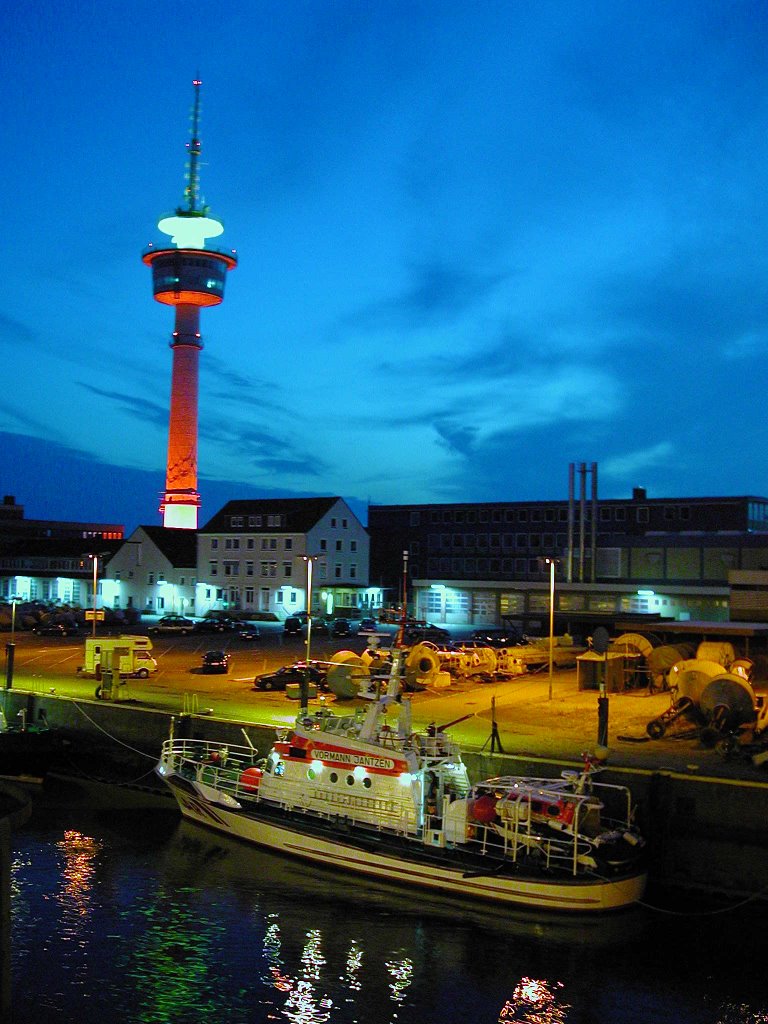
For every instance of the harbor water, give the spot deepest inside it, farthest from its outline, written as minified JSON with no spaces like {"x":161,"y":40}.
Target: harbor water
{"x":122,"y":912}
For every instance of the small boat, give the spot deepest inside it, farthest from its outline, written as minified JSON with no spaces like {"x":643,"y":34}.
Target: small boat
{"x":27,"y":751}
{"x":368,"y":795}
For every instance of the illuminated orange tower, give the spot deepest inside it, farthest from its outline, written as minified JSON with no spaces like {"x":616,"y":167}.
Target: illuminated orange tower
{"x":188,"y":274}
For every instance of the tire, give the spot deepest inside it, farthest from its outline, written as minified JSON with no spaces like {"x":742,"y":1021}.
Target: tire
{"x":97,"y":694}
{"x":268,"y":686}
{"x":656,"y":729}
{"x":143,"y":673}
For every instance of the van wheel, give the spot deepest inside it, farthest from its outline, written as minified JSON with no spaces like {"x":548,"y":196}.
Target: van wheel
{"x":142,"y":673}
{"x":98,"y":693}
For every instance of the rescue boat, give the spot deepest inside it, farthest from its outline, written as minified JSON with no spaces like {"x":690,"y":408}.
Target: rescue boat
{"x":365,"y":793}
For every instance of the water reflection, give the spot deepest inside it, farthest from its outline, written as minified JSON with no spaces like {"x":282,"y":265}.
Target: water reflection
{"x":79,"y":854}
{"x":535,"y":1002}
{"x":174,"y":925}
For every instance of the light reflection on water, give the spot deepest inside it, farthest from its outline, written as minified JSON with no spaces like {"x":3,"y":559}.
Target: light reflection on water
{"x":120,"y":910}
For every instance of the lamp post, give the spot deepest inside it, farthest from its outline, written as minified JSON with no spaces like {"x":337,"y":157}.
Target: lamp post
{"x":304,"y":696}
{"x":95,"y":584}
{"x":400,"y":639}
{"x":551,"y":562}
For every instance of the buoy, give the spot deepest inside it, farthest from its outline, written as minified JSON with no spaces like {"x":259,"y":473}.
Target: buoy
{"x":483,"y":809}
{"x":251,"y":779}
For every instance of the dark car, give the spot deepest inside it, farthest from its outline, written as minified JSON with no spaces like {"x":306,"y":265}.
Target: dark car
{"x":215,"y":661}
{"x":56,"y":629}
{"x":341,"y":627}
{"x":247,"y":631}
{"x":173,"y":624}
{"x":368,"y":625}
{"x":497,"y":637}
{"x":288,"y":674}
{"x":215,"y":626}
{"x":413,"y":634}
{"x":293,"y":625}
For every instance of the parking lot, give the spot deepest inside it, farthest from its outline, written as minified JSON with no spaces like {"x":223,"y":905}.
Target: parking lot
{"x":532,"y":717}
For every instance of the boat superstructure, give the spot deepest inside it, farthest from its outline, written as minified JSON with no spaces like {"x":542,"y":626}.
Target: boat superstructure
{"x":367,"y":793}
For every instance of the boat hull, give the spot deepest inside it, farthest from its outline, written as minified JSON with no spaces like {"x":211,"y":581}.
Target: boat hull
{"x":375,"y":860}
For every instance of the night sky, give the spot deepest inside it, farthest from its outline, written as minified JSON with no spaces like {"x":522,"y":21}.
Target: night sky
{"x":477,"y":241}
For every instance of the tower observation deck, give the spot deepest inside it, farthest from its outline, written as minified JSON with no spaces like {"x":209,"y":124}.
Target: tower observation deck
{"x":187,"y":274}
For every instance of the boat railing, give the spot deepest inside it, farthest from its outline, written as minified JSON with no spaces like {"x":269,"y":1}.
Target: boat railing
{"x":215,"y":764}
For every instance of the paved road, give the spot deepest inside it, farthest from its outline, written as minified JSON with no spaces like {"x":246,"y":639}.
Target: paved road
{"x":528,"y":721}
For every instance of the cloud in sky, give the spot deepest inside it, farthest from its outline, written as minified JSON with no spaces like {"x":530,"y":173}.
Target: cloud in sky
{"x":476,"y":243}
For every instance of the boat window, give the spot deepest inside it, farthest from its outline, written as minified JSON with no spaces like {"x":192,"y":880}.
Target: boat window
{"x":367,"y":783}
{"x":334,"y":777}
{"x":350,"y":780}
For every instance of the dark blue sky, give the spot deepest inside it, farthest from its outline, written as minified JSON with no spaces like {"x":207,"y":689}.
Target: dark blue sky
{"x":477,"y":242}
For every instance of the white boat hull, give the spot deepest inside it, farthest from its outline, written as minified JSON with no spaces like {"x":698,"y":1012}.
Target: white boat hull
{"x":576,"y":895}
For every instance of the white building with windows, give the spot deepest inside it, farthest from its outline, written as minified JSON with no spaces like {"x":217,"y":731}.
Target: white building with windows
{"x":252,"y":556}
{"x":153,"y":571}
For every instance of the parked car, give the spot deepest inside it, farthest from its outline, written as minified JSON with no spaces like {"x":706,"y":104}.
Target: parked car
{"x":215,"y":661}
{"x":247,"y":631}
{"x":368,"y":625}
{"x":289,"y":674}
{"x":341,"y":627}
{"x":497,"y":637}
{"x":413,"y":634}
{"x":171,"y":624}
{"x":55,"y":629}
{"x":215,"y":625}
{"x":293,"y":625}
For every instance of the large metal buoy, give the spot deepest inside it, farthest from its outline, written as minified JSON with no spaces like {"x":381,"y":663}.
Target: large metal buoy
{"x":422,"y":665}
{"x":690,"y":678}
{"x":727,"y":703}
{"x":347,"y":675}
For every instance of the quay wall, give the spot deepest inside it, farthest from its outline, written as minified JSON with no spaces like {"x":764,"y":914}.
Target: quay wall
{"x":703,"y":832}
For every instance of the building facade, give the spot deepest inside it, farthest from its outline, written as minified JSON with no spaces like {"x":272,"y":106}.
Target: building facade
{"x":482,"y":563}
{"x":50,"y":561}
{"x":253,"y":556}
{"x":154,"y":571}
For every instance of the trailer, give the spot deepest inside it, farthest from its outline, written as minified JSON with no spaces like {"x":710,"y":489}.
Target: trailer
{"x":132,"y":652}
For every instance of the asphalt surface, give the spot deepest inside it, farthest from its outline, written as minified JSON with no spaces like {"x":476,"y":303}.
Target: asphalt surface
{"x":532,"y":718}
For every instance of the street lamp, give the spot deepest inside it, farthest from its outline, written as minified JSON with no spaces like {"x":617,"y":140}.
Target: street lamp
{"x":551,"y":562}
{"x":304,"y":697}
{"x":95,"y":584}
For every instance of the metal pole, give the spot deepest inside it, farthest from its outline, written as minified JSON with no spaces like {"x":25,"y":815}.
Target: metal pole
{"x":305,"y":682}
{"x":571,"y":520}
{"x":582,"y":516}
{"x":551,"y":620}
{"x":400,"y":639}
{"x":95,"y":584}
{"x":594,"y":522}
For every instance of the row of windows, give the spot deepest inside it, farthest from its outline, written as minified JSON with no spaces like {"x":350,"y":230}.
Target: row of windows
{"x":546,"y":541}
{"x":266,"y":543}
{"x":277,"y":520}
{"x":237,"y":522}
{"x":339,"y":545}
{"x":521,"y":566}
{"x":497,"y":515}
{"x":268,"y":570}
{"x":619,"y":514}
{"x":274,"y":544}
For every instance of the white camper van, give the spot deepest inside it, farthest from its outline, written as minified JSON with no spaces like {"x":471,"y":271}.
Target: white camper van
{"x":133,"y":652}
